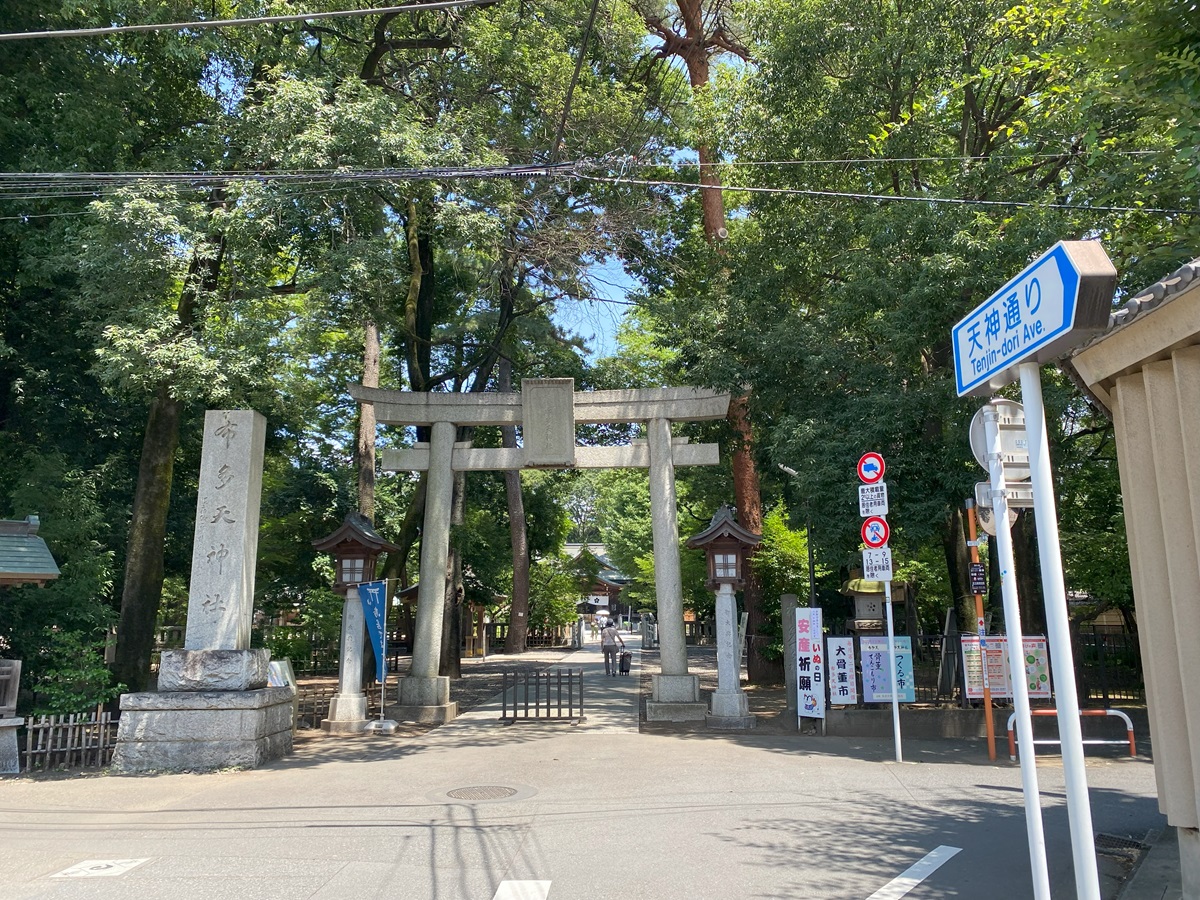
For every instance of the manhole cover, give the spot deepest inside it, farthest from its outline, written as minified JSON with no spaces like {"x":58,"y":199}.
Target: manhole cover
{"x":482,"y":792}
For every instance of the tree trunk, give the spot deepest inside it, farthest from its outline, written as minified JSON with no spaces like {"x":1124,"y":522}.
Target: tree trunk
{"x":958,"y":568}
{"x":366,"y":424}
{"x":141,"y":592}
{"x":518,"y":621}
{"x":1029,"y":574}
{"x":748,"y":498}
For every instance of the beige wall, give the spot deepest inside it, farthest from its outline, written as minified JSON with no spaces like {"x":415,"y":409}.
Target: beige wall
{"x":1147,"y":373}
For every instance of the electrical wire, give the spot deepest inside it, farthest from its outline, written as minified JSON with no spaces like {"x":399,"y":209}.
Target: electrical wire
{"x":890,"y":198}
{"x":65,"y":185}
{"x":906,"y":159}
{"x":68,"y":185}
{"x":255,"y":20}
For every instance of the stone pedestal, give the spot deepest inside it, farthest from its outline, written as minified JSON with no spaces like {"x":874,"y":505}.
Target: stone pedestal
{"x":675,"y":698}
{"x":424,"y":699}
{"x":730,"y":709}
{"x":347,"y":714}
{"x":730,"y":712}
{"x":213,"y":670}
{"x":203,"y":730}
{"x":10,"y":758}
{"x":348,"y":707}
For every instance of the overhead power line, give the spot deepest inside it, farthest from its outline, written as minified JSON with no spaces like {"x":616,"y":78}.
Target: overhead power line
{"x":255,"y":20}
{"x":887,"y":161}
{"x":34,"y":186}
{"x":46,"y":185}
{"x":890,"y":198}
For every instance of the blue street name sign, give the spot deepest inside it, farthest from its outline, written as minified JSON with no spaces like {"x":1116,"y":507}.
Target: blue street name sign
{"x":1060,"y":300}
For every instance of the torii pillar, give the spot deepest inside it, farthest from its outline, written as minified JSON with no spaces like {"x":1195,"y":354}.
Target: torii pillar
{"x":548,"y":411}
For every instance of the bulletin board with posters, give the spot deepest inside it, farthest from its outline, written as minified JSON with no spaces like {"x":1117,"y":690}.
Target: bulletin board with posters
{"x":877,"y":684}
{"x":1037,"y":667}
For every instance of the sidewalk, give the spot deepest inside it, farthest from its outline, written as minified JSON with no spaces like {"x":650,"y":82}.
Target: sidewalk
{"x":1157,"y":875}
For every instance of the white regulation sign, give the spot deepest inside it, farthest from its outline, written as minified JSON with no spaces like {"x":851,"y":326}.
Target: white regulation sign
{"x":872,"y":499}
{"x":877,"y":564}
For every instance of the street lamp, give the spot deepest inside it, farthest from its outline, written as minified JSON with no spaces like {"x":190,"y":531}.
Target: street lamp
{"x":355,"y":547}
{"x":726,"y":544}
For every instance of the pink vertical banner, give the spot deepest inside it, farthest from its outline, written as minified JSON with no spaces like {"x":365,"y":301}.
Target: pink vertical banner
{"x":810,"y":664}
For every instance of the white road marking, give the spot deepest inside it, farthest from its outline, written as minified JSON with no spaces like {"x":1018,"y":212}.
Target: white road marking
{"x":98,"y":868}
{"x":915,"y":874}
{"x":522,"y":890}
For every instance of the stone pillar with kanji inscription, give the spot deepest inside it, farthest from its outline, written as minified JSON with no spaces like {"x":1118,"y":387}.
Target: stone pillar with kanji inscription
{"x":217,"y":654}
{"x":213,"y":708}
{"x":221,"y":599}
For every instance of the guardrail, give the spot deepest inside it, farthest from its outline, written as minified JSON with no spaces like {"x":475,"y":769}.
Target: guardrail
{"x":540,"y":696}
{"x":1090,"y":713}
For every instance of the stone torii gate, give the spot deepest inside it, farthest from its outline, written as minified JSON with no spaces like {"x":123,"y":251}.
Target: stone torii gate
{"x":548,"y":411}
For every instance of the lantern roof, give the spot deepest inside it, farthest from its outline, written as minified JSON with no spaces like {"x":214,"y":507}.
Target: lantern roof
{"x":24,"y":557}
{"x":357,"y":529}
{"x":724,"y":527}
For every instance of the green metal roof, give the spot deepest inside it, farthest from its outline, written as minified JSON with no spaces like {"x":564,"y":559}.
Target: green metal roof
{"x":24,"y":557}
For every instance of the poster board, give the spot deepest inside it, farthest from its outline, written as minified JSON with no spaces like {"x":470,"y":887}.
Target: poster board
{"x":843,"y":684}
{"x":1037,"y":667}
{"x":877,"y":685}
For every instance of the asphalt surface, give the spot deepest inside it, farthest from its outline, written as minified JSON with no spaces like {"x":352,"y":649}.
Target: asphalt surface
{"x":596,"y":810}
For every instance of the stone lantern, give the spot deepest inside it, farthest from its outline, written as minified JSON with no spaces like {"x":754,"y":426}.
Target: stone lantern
{"x":355,"y":547}
{"x":727,"y":544}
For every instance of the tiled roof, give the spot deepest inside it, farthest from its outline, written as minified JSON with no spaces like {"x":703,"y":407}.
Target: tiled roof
{"x":1155,"y":295}
{"x":1150,"y":298}
{"x":24,"y":557}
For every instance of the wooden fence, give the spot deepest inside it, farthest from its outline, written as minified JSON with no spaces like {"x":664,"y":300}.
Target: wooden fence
{"x":81,"y":741}
{"x":312,"y":703}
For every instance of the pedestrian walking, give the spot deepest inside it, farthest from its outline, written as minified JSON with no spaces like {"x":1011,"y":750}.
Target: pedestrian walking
{"x":610,"y":639}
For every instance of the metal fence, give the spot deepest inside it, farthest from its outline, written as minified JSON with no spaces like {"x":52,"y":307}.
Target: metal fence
{"x":555,"y":694}
{"x":1108,"y":668}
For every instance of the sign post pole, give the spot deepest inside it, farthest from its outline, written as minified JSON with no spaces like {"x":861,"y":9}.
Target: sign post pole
{"x":873,"y":506}
{"x":981,"y":629}
{"x":891,"y":632}
{"x":1079,"y":811}
{"x":1016,"y":661}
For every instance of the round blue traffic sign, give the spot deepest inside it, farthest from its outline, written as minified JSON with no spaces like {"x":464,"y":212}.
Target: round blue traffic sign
{"x":871,"y":468}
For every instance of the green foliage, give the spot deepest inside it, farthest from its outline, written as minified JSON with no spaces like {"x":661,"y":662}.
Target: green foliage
{"x":69,"y":675}
{"x":553,"y":594}
{"x":56,"y":630}
{"x":929,"y":587}
{"x":781,"y":560}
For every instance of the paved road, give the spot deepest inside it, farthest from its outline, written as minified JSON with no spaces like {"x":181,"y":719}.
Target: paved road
{"x":599,"y":810}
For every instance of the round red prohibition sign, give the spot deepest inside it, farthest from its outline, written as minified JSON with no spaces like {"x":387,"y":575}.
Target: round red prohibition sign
{"x":875,"y":531}
{"x":871,"y":468}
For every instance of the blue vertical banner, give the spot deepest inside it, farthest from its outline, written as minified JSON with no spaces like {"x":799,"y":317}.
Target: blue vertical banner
{"x":373,"y":595}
